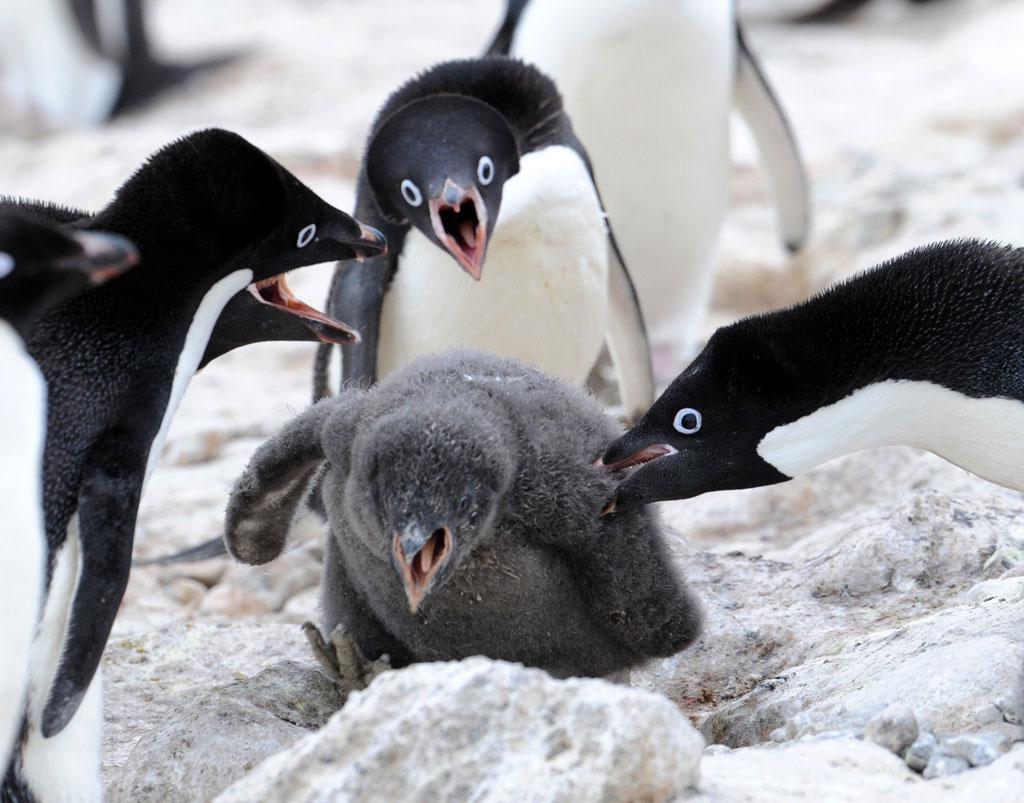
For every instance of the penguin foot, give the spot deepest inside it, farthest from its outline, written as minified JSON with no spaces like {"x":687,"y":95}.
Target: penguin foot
{"x":342,"y":660}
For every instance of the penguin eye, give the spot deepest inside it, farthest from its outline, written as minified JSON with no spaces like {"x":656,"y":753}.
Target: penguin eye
{"x":687,"y":421}
{"x":411,"y":193}
{"x":306,"y":236}
{"x":464,"y":503}
{"x":6,"y":263}
{"x":485,"y":170}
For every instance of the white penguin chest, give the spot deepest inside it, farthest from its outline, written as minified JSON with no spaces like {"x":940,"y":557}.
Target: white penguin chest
{"x":543,"y":294}
{"x":979,"y":435}
{"x":648,"y":85}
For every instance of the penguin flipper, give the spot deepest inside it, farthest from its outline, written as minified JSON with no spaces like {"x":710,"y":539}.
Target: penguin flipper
{"x":501,"y":45}
{"x":627,"y":337}
{"x":108,"y":503}
{"x":214,"y":548}
{"x":779,"y":152}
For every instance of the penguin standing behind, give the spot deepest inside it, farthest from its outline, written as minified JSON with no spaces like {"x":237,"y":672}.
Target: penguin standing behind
{"x":926,"y":350}
{"x":83,"y":61}
{"x":463,"y":499}
{"x":649,"y":85}
{"x":40,"y":266}
{"x":212,"y":216}
{"x":476,"y":160}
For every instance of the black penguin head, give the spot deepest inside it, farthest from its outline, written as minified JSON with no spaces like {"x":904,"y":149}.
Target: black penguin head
{"x":232,"y":207}
{"x":703,"y":432}
{"x":437,"y":479}
{"x":41,"y":265}
{"x":441,"y":163}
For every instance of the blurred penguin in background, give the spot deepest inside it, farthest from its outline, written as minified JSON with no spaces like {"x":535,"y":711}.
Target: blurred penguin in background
{"x":649,"y":85}
{"x":80,"y":62}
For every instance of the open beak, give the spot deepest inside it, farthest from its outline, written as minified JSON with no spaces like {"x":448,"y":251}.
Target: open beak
{"x":640,"y":457}
{"x":370,"y":243}
{"x":418,"y":557}
{"x":459,"y":218}
{"x":274,"y":292}
{"x":104,"y":255}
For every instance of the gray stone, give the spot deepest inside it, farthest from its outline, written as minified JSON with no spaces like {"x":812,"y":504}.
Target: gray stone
{"x":988,"y":714}
{"x":716,"y":749}
{"x":894,"y":728}
{"x":977,"y":750}
{"x":920,"y":752}
{"x":942,"y":764}
{"x":482,"y":729}
{"x":779,"y":735}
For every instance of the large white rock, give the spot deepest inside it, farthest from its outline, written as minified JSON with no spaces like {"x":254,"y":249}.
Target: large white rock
{"x":486,"y":730}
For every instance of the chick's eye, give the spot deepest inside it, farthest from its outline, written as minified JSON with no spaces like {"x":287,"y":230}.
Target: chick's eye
{"x":411,"y":193}
{"x":485,"y":170}
{"x":687,"y":421}
{"x":464,"y":504}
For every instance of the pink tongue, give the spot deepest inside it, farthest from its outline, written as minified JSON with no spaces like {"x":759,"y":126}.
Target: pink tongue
{"x":468,"y":232}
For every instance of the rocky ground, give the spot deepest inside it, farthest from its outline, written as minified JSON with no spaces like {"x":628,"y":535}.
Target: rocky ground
{"x":888,"y":577}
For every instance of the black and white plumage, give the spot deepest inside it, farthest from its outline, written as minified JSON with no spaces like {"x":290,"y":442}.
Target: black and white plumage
{"x":498,"y":237}
{"x":212,"y":216}
{"x":40,"y":266}
{"x":80,"y":62}
{"x":463,"y":500}
{"x":649,"y":85}
{"x":926,"y":350}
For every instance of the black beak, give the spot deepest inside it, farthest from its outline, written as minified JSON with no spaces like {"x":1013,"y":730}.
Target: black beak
{"x":363,"y":242}
{"x":652,"y":471}
{"x":418,"y":554}
{"x":104,"y":255}
{"x":459,"y":218}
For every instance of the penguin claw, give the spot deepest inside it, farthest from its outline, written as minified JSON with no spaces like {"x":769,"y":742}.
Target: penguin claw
{"x":342,"y":660}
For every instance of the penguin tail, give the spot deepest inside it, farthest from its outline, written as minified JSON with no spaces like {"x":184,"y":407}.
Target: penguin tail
{"x":213,"y":548}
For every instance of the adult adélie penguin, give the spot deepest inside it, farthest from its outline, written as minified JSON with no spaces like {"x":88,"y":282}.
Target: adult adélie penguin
{"x":497,"y":236}
{"x":213,"y":217}
{"x":926,"y":350}
{"x":40,"y":266}
{"x":649,"y":85}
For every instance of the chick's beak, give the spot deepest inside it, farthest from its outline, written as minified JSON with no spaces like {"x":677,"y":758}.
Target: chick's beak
{"x":459,"y":218}
{"x":418,"y":555}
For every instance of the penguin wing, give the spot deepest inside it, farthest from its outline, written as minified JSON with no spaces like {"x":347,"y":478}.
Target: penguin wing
{"x":779,"y":151}
{"x":627,"y":337}
{"x":501,"y":45}
{"x":108,"y":503}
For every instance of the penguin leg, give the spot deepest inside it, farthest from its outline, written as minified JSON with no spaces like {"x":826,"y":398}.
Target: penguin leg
{"x":627,"y":338}
{"x":342,"y":660}
{"x":633,"y":592}
{"x":108,"y":503}
{"x":779,"y":152}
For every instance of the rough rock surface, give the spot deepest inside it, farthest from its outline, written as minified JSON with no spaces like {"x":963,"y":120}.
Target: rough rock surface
{"x":486,"y":730}
{"x":894,"y":728}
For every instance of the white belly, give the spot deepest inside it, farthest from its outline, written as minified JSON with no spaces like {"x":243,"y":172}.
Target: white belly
{"x":544,"y":291}
{"x":648,"y":85}
{"x":22,"y":423}
{"x":982,"y":436}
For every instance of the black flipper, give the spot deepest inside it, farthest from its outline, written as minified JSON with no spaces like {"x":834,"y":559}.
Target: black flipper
{"x":213,"y":548}
{"x":502,"y":43}
{"x":108,"y":502}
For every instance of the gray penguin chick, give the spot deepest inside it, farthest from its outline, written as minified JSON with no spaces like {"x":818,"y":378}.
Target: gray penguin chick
{"x":463,"y":502}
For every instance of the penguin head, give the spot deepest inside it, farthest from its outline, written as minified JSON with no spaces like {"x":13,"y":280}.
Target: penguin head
{"x":436,"y":479}
{"x":234,"y":207}
{"x":703,"y":432}
{"x":440,"y":163}
{"x":41,"y":265}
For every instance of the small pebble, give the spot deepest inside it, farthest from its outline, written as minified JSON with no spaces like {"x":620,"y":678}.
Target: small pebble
{"x":894,"y":728}
{"x":978,"y":750}
{"x":988,"y":714}
{"x":717,"y":749}
{"x":942,"y":764}
{"x":920,"y":752}
{"x":779,"y":735}
{"x":1009,"y":710}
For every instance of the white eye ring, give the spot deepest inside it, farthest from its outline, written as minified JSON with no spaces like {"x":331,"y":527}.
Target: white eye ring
{"x":679,"y":426}
{"x":306,"y":235}
{"x":485,"y":170}
{"x":411,"y":193}
{"x":6,"y":263}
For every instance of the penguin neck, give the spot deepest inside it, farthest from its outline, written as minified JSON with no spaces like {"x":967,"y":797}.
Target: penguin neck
{"x":967,"y":431}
